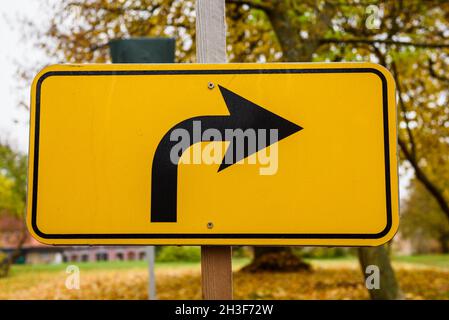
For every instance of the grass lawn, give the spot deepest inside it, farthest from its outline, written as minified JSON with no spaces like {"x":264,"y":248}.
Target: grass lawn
{"x":332,"y":279}
{"x":439,"y":261}
{"x":115,"y":265}
{"x":430,"y":260}
{"x":24,"y":277}
{"x":435,"y":260}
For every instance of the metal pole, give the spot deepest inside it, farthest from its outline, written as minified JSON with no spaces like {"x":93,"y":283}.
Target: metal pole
{"x":144,"y":50}
{"x":151,"y":275}
{"x":216,"y":264}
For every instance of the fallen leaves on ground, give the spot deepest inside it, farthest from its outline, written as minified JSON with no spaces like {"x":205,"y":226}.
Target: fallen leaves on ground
{"x":322,"y":283}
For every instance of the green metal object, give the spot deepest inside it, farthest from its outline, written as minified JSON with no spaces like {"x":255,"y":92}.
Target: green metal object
{"x":142,"y":50}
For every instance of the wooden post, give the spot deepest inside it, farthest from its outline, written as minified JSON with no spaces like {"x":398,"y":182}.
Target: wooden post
{"x":216,"y":264}
{"x":210,"y":31}
{"x":216,"y":272}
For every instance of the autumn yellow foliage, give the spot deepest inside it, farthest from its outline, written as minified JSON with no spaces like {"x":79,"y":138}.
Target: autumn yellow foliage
{"x":344,"y":282}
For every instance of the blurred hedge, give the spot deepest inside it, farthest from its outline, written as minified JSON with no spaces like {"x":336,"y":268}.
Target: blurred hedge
{"x":324,"y":253}
{"x":178,"y":253}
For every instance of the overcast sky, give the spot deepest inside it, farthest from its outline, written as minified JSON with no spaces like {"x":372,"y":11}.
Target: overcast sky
{"x":15,"y":51}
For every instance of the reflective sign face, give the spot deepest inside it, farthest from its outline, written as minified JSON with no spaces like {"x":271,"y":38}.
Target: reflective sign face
{"x":263,"y":154}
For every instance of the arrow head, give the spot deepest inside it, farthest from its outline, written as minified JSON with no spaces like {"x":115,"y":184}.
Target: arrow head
{"x":245,"y":115}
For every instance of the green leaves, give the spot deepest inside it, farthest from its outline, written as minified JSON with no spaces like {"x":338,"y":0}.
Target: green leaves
{"x":13,"y":175}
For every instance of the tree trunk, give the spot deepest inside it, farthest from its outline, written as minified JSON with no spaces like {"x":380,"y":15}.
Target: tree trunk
{"x":444,"y":243}
{"x":7,"y":262}
{"x":276,"y":259}
{"x":288,"y":37}
{"x":285,"y":26}
{"x":378,"y":256}
{"x":4,"y":268}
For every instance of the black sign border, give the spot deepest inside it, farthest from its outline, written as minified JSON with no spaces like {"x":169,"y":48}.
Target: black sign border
{"x":161,"y":236}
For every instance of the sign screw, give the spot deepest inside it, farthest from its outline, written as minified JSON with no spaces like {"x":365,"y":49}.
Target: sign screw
{"x":211,"y":85}
{"x":210,"y":225}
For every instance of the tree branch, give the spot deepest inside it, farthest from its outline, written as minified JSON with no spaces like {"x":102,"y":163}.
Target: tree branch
{"x":404,"y":111}
{"x":386,"y":41}
{"x":410,"y":155}
{"x":434,"y":74}
{"x":422,"y":177}
{"x":114,"y":8}
{"x":94,"y":47}
{"x":253,"y":4}
{"x":395,"y":73}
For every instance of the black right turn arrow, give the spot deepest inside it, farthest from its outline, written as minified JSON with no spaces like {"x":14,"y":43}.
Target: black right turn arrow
{"x":243,"y":114}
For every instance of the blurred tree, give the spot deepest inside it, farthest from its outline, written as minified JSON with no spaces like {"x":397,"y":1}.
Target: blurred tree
{"x":422,"y":219}
{"x":379,"y":257}
{"x":13,"y":175}
{"x":411,"y":38}
{"x":280,"y":259}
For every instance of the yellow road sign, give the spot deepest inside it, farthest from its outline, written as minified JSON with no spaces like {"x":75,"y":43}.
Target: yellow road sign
{"x":263,"y":154}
